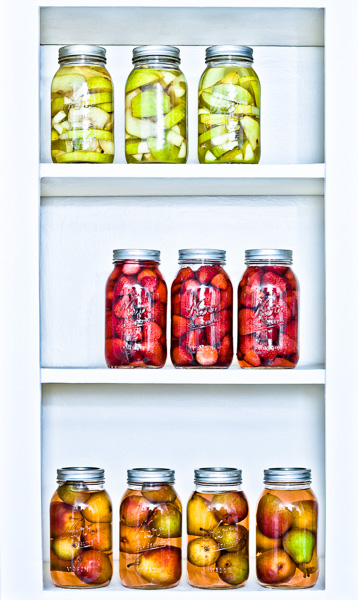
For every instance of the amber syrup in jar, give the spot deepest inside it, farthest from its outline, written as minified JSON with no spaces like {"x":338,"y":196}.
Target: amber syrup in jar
{"x":150,"y":530}
{"x":218,"y":530}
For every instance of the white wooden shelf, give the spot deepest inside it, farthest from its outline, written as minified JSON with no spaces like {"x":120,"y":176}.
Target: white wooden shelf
{"x":184,"y":180}
{"x":314,"y":374}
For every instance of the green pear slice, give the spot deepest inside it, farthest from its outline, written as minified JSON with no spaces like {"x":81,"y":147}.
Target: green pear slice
{"x":90,"y":157}
{"x":54,"y":135}
{"x":60,"y":116}
{"x":220,"y":150}
{"x":137,"y":147}
{"x":140,"y":77}
{"x":107,"y":146}
{"x":97,"y":98}
{"x":209,"y":157}
{"x":110,"y":122}
{"x":174,"y":138}
{"x":59,"y":104}
{"x":216,"y":102}
{"x":162,"y":150}
{"x":167,"y":76}
{"x":246,"y":109}
{"x":67,"y":83}
{"x":107,"y":106}
{"x":232,"y":77}
{"x":249,"y":153}
{"x":182,"y":150}
{"x":203,"y":111}
{"x":210,"y":120}
{"x":139,"y":127}
{"x":130,"y":96}
{"x":232,"y":92}
{"x":210,"y":133}
{"x":63,"y":145}
{"x":150,"y":103}
{"x":99,"y":84}
{"x":99,"y":134}
{"x":92,"y":114}
{"x":174,"y":116}
{"x":251,"y":130}
{"x":219,"y":140}
{"x":233,"y":155}
{"x":138,"y":157}
{"x":212,"y":76}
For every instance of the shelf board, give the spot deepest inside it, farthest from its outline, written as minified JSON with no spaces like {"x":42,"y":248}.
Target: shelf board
{"x":314,"y":374}
{"x":184,"y":180}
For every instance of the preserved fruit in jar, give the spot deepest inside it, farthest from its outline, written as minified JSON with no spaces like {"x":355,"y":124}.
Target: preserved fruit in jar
{"x":136,"y":310}
{"x":156,"y":111}
{"x":268,"y":302}
{"x":150,"y":530}
{"x":218,"y":530}
{"x":202,"y":299}
{"x":82,"y":109}
{"x":81,"y":529}
{"x":229,"y":107}
{"x":286,"y":530}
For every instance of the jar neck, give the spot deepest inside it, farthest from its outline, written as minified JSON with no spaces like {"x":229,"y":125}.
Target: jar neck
{"x":156,"y":62}
{"x":92,"y":486}
{"x":288,"y":486}
{"x":81,"y":60}
{"x":201,"y":261}
{"x":214,"y":488}
{"x":144,"y":263}
{"x":140,"y":486}
{"x":266,"y":262}
{"x":224,"y":61}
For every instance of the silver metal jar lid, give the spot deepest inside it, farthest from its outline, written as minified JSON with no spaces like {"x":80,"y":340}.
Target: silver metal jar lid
{"x":88,"y":474}
{"x":155,"y":475}
{"x":217,"y":475}
{"x":287,"y":475}
{"x":202,"y":254}
{"x":170,"y":52}
{"x":268,"y":254}
{"x":136,"y":254}
{"x":88,"y":50}
{"x":244,"y":52}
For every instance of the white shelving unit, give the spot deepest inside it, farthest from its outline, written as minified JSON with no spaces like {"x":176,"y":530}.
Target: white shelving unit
{"x":61,"y":223}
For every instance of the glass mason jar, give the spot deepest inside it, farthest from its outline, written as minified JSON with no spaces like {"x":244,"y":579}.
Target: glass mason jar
{"x":156,"y":112}
{"x":229,"y":107}
{"x":82,"y":117}
{"x":268,"y":301}
{"x":81,"y":529}
{"x":286,"y":530}
{"x":150,"y":530}
{"x":136,"y":310}
{"x":202,"y":311}
{"x":218,"y":530}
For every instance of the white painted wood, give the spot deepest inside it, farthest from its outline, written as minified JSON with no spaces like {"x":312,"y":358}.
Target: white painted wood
{"x":166,"y":180}
{"x":170,"y":375}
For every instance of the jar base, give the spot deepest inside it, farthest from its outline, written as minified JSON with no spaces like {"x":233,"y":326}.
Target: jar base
{"x":287,"y":587}
{"x":135,"y":367}
{"x":81,"y":587}
{"x":150,"y":587}
{"x":199,"y":367}
{"x":218,"y":587}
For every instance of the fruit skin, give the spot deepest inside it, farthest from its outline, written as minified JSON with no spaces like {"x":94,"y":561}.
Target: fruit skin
{"x":275,"y":567}
{"x":160,"y":566}
{"x":230,"y":537}
{"x":305,"y":514}
{"x":200,"y":518}
{"x":72,"y":494}
{"x":66,"y":546}
{"x":93,"y":567}
{"x":97,"y":536}
{"x":135,"y":539}
{"x":58,"y":564}
{"x":65,"y":519}
{"x":299,"y":544}
{"x":311,"y":567}
{"x":264,"y":543}
{"x":166,"y":521}
{"x":273,"y":517}
{"x":98,"y":508}
{"x":230,"y":507}
{"x":135,"y":510}
{"x":207,"y":356}
{"x":203,"y":551}
{"x":233,"y":568}
{"x":162,"y":493}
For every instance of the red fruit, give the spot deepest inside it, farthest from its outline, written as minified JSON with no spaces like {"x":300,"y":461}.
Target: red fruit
{"x":282,"y":362}
{"x":135,"y":352}
{"x":252,"y":277}
{"x":160,"y":295}
{"x":131,"y":267}
{"x":128,"y":329}
{"x":266,"y":351}
{"x":272,"y":312}
{"x":190,"y":285}
{"x":124,"y":285}
{"x":180,"y":326}
{"x":153,"y":353}
{"x":176,"y":304}
{"x":193,"y":339}
{"x":272,"y":281}
{"x":150,"y":283}
{"x":246,"y":343}
{"x":252,"y":359}
{"x":146,"y":273}
{"x":93,"y":566}
{"x":159,"y":314}
{"x":111,"y":322}
{"x":208,"y":297}
{"x":269,"y":336}
{"x":206,"y":319}
{"x":292,"y":329}
{"x":220,"y":326}
{"x":206,"y":273}
{"x":226,"y":298}
{"x":225,"y":351}
{"x":115,"y":273}
{"x":152,"y":331}
{"x":291,"y":279}
{"x":188,"y":305}
{"x":176,"y":289}
{"x":185,"y":273}
{"x":116,"y":348}
{"x":251,"y":296}
{"x":142,"y":303}
{"x":244,"y":364}
{"x":292,"y":303}
{"x":286,"y":345}
{"x":248,"y":323}
{"x":220,"y":281}
{"x":181,"y":356}
{"x":123,"y":308}
{"x":207,"y":356}
{"x":135,"y":510}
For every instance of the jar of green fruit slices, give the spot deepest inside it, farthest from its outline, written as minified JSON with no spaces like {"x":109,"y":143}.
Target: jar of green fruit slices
{"x":229,"y":107}
{"x":155,"y":107}
{"x":82,"y":109}
{"x":218,"y":530}
{"x":286,"y":530}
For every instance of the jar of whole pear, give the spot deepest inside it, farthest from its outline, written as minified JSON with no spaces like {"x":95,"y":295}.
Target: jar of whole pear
{"x":82,"y":109}
{"x":81,"y":529}
{"x":268,"y":303}
{"x":155,"y":105}
{"x":150,"y":530}
{"x":286,"y":530}
{"x":136,"y":310}
{"x":229,"y":107}
{"x":218,"y":530}
{"x":202,"y":310}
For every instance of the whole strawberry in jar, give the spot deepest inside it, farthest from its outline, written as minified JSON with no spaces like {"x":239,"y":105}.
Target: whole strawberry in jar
{"x":202,"y":299}
{"x":136,"y":310}
{"x":268,"y":301}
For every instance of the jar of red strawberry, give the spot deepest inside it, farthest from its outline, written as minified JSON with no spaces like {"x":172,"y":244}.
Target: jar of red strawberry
{"x":202,"y":311}
{"x":136,"y":310}
{"x":268,"y":300}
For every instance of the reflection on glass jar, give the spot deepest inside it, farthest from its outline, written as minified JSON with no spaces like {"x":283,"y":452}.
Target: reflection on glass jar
{"x":229,"y":107}
{"x":150,"y":530}
{"x":136,"y":310}
{"x":286,"y":530}
{"x":156,"y":112}
{"x":82,"y":109}
{"x":268,"y":302}
{"x":202,"y":311}
{"x":81,"y":529}
{"x":218,"y":530}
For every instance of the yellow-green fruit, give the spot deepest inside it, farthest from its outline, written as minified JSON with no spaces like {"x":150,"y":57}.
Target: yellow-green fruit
{"x":199,"y":516}
{"x":299,"y":544}
{"x":99,"y":84}
{"x":264,"y":543}
{"x":230,"y":537}
{"x":203,"y":551}
{"x":73,"y":494}
{"x":98,"y":507}
{"x":88,"y":157}
{"x":66,"y":546}
{"x":233,"y":568}
{"x":78,"y":134}
{"x":174,"y":116}
{"x":140,"y":77}
{"x":304,"y":515}
{"x":150,"y":103}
